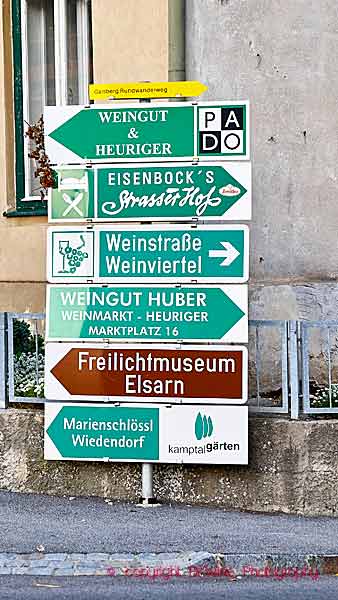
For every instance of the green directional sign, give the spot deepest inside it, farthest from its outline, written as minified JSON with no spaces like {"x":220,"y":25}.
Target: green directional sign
{"x":157,"y":132}
{"x":173,"y":254}
{"x":147,"y":433}
{"x":143,"y":313}
{"x":152,"y":192}
{"x":114,"y":432}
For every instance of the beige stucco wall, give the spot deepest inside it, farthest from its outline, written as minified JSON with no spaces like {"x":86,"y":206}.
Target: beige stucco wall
{"x":22,"y":241}
{"x":130,"y":40}
{"x":130,"y":43}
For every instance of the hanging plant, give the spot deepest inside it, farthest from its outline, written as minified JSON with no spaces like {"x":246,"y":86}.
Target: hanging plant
{"x":45,"y":174}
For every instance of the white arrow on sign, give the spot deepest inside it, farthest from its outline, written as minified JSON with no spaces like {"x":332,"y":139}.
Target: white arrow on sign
{"x":229,"y":254}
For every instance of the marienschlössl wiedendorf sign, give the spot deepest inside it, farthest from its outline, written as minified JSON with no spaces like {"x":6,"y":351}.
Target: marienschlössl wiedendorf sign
{"x":133,"y":433}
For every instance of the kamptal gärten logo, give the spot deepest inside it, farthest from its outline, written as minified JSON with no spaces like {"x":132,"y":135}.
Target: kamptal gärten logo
{"x":203,"y":427}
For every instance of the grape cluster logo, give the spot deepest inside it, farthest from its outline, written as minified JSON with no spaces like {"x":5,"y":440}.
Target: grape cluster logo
{"x":72,"y":253}
{"x":203,"y":427}
{"x":72,"y":257}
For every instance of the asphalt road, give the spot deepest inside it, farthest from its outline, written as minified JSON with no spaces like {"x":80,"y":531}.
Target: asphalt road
{"x":92,"y":525}
{"x":102,"y":588}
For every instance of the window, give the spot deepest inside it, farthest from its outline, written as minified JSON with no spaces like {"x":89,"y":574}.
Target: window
{"x":52,"y":58}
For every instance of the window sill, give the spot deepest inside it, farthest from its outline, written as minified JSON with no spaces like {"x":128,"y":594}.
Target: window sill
{"x":33,"y":212}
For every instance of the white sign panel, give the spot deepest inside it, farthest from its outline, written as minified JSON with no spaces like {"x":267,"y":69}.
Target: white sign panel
{"x":146,"y":372}
{"x":157,"y":253}
{"x":162,"y":131}
{"x":145,"y":313}
{"x":167,"y":192}
{"x":147,"y":433}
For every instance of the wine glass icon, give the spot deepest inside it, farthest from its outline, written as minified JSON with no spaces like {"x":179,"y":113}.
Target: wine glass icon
{"x":73,"y":257}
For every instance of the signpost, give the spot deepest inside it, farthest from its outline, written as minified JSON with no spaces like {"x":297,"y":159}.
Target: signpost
{"x":147,"y":313}
{"x":162,"y":89}
{"x":133,"y":433}
{"x":163,"y":254}
{"x":152,"y":192}
{"x":158,"y":162}
{"x":158,"y":132}
{"x":198,"y":374}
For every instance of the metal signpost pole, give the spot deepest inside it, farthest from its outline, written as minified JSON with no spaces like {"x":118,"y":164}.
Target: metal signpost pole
{"x":147,"y":485}
{"x":147,"y":468}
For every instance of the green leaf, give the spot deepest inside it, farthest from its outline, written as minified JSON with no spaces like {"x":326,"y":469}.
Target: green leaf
{"x":205,"y":426}
{"x":199,"y":427}
{"x":210,"y":426}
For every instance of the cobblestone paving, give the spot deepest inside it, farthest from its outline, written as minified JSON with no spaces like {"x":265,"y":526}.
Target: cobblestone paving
{"x":95,"y":563}
{"x":156,"y":565}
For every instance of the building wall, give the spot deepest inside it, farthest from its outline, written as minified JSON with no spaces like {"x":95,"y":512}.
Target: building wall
{"x":282,"y":57}
{"x":22,"y":247}
{"x":120,"y":29}
{"x":279,"y":55}
{"x":130,"y":40}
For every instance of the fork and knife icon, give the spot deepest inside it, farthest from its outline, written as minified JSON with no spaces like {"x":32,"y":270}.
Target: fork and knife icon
{"x":72,"y":204}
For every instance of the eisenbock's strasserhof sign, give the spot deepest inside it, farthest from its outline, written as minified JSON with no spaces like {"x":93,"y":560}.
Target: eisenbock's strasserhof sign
{"x":159,"y":434}
{"x":195,"y":374}
{"x":157,"y":132}
{"x":151,"y":192}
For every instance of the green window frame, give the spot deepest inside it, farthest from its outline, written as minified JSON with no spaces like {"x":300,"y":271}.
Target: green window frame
{"x":22,"y":208}
{"x":36,"y":206}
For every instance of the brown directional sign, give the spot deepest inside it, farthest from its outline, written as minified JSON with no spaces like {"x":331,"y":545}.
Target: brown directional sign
{"x":195,"y":373}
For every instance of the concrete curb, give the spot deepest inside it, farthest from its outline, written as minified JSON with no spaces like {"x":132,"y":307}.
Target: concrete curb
{"x":168,"y":565}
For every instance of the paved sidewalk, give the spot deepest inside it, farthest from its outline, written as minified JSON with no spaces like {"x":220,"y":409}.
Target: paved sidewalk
{"x":45,"y":535}
{"x":86,"y":525}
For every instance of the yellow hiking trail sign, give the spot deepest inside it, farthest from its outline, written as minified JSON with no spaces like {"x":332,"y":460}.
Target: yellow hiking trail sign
{"x":164,"y":89}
